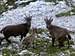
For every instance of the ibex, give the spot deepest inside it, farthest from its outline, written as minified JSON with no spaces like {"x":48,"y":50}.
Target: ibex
{"x":16,"y":30}
{"x":29,"y":40}
{"x":57,"y":33}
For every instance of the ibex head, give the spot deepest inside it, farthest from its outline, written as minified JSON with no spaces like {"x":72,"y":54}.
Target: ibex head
{"x":48,"y":21}
{"x":28,"y":18}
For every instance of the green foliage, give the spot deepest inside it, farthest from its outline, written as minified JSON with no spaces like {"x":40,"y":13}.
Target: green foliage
{"x":52,"y":0}
{"x":33,"y":0}
{"x":5,"y":52}
{"x":27,"y":54}
{"x":69,"y":13}
{"x":8,"y":52}
{"x":27,"y":3}
{"x":3,"y":8}
{"x":45,"y":46}
{"x":63,"y":14}
{"x":73,"y":54}
{"x":14,"y":52}
{"x":48,"y":0}
{"x":41,"y":45}
{"x":10,"y":2}
{"x":41,"y":30}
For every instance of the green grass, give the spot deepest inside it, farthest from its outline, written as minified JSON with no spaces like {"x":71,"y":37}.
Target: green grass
{"x":5,"y":52}
{"x":3,"y":8}
{"x":69,"y":13}
{"x":39,"y":31}
{"x":45,"y":46}
{"x":72,"y":54}
{"x":42,"y":45}
{"x":8,"y":52}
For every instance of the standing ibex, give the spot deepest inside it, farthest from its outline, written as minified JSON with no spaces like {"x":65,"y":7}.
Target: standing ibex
{"x":16,"y":30}
{"x":57,"y":33}
{"x":28,"y":40}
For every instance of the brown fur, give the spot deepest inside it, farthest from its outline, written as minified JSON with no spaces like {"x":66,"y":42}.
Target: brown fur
{"x":29,"y":40}
{"x":57,"y":33}
{"x":16,"y":30}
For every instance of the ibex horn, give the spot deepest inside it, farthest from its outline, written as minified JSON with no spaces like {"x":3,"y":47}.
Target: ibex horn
{"x":50,"y":17}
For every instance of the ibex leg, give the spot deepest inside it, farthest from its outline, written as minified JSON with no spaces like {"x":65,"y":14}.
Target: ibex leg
{"x":53,"y":40}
